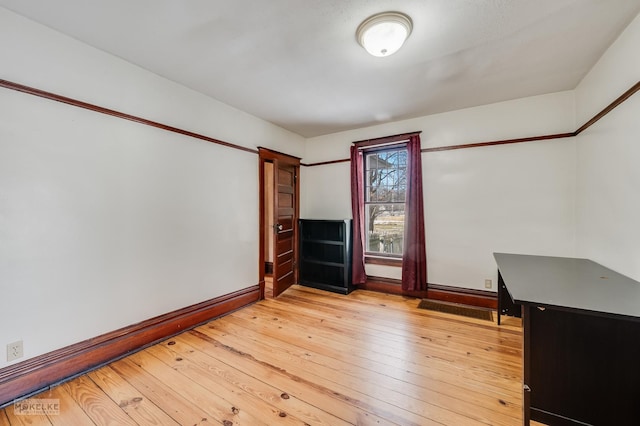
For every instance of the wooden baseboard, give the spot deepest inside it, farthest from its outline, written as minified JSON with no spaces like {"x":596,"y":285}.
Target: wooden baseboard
{"x":389,"y":285}
{"x":479,"y":298}
{"x":38,"y":373}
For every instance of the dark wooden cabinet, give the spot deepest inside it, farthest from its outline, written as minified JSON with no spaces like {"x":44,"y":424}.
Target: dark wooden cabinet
{"x":582,"y":367}
{"x":506,"y":306}
{"x":581,"y":348}
{"x":325,"y":254}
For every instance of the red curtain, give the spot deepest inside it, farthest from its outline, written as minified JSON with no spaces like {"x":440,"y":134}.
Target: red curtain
{"x":358,"y":274}
{"x":414,"y":258}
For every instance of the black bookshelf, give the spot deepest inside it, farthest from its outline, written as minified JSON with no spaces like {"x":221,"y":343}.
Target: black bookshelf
{"x":325,"y":254}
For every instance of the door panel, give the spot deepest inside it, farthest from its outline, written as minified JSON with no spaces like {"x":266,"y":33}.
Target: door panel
{"x":285,"y":224}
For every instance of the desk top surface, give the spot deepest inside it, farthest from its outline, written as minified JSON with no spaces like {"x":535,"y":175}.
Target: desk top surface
{"x":572,"y":283}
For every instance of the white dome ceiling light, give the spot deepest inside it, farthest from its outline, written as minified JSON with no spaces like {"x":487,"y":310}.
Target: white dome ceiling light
{"x":384,"y":34}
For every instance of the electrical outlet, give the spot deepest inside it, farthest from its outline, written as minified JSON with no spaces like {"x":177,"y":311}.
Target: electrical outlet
{"x":14,"y":351}
{"x":487,"y":283}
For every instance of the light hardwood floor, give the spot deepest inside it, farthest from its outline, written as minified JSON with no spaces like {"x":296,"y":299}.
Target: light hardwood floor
{"x":268,"y":287}
{"x":309,"y":357}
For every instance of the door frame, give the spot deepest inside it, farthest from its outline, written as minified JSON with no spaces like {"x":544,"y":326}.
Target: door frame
{"x":268,"y":156}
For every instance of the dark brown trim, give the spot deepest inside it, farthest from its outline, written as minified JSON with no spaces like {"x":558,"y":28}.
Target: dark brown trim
{"x":388,"y":285}
{"x":262,"y":286}
{"x":501,"y":142}
{"x":262,"y":223}
{"x":466,"y":296}
{"x":279,"y":155}
{"x":380,"y":260}
{"x":42,"y":371}
{"x":367,"y":142}
{"x":385,"y":139}
{"x":471,"y":145}
{"x":80,"y":104}
{"x":324,"y":163}
{"x":626,"y":95}
{"x":479,"y":298}
{"x":269,"y":154}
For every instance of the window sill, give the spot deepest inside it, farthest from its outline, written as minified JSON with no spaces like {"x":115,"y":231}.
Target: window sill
{"x":380,"y":260}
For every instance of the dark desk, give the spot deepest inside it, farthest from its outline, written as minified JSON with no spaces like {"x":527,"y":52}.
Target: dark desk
{"x":581,"y":340}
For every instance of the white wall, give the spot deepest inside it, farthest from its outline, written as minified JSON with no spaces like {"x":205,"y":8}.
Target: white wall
{"x":608,"y":171}
{"x":325,"y":191}
{"x":513,"y":198}
{"x":105,"y":222}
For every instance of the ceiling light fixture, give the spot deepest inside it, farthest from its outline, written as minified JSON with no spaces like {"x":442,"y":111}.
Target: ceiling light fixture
{"x":384,"y":34}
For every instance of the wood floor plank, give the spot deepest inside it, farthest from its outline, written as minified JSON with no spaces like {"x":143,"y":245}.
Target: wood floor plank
{"x":95,"y":403}
{"x":359,"y":392}
{"x":228,"y":372}
{"x":217,"y":408}
{"x":321,"y":397}
{"x":442,"y":324}
{"x":140,"y":409}
{"x":510,"y":363}
{"x":25,"y":419}
{"x":442,"y":381}
{"x":240,"y":391}
{"x":413,"y":360}
{"x":310,"y":357}
{"x":71,"y":414}
{"x":4,"y":421}
{"x":462,"y":402}
{"x":481,"y":351}
{"x":398,"y":312}
{"x":163,"y":395}
{"x":479,"y":346}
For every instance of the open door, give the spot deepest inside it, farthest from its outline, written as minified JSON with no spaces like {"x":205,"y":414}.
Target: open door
{"x":285,"y":222}
{"x":285,"y":218}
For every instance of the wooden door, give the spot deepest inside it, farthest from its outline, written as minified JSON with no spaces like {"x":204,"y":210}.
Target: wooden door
{"x":285,"y":190}
{"x":285,"y":222}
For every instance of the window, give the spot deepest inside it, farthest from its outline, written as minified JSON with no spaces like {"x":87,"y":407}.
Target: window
{"x":388,"y":209}
{"x":385,"y":189}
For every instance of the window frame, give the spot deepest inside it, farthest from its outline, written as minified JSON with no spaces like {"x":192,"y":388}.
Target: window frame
{"x":377,"y":258}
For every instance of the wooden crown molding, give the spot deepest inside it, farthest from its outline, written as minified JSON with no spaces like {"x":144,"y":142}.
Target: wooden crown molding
{"x":324,"y":163}
{"x":626,"y":95}
{"x":91,"y":107}
{"x":80,"y":104}
{"x":35,"y":374}
{"x":500,"y":142}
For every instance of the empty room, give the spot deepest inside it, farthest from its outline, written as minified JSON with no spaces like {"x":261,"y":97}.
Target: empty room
{"x":400,"y":212}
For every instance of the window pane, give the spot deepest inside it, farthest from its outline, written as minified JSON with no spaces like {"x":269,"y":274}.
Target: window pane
{"x":386,"y":176}
{"x":385,"y":228}
{"x":385,"y":189}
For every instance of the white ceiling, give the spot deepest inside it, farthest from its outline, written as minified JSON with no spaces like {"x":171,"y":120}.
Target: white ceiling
{"x":297,"y":63}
